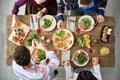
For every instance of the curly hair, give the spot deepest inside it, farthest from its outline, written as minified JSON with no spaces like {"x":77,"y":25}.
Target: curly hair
{"x":22,"y":56}
{"x":85,"y":2}
{"x":86,"y":75}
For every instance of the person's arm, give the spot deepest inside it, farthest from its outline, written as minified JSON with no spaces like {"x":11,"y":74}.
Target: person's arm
{"x":13,"y":21}
{"x":101,"y":7}
{"x":53,"y":61}
{"x":40,"y":13}
{"x":17,"y":5}
{"x":97,"y":72}
{"x":96,"y":68}
{"x":60,"y":10}
{"x":68,"y":70}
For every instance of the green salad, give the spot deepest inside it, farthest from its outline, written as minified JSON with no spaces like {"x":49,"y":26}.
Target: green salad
{"x":82,"y":58}
{"x":47,"y":23}
{"x":32,"y":36}
{"x":86,"y":22}
{"x":42,"y":54}
{"x":81,"y":41}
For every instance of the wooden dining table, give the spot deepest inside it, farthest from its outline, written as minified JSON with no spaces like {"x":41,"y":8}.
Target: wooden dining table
{"x":105,"y":61}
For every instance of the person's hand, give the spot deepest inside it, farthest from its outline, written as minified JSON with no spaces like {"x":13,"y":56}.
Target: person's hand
{"x":34,"y":43}
{"x":95,"y":60}
{"x":67,"y":63}
{"x":60,"y":23}
{"x":40,"y":14}
{"x":100,"y":18}
{"x":42,"y":46}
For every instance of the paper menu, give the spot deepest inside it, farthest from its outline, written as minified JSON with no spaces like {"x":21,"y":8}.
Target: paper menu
{"x":71,"y":23}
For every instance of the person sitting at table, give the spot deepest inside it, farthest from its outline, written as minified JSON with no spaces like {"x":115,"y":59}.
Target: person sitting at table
{"x":24,"y":67}
{"x":80,"y":7}
{"x":93,"y":74}
{"x":38,"y":7}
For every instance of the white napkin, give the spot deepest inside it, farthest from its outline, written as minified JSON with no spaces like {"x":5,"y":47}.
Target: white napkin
{"x":65,"y":56}
{"x":33,"y":22}
{"x":71,"y":23}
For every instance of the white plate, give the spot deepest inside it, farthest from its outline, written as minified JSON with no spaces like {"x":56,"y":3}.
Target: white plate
{"x":64,"y":41}
{"x":92,"y":22}
{"x":53,"y":25}
{"x":76,"y":62}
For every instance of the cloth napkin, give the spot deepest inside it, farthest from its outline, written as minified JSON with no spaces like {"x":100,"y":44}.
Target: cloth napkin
{"x":71,"y":23}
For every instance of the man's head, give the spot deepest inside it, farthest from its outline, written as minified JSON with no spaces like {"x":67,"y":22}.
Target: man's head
{"x":84,"y":3}
{"x":86,"y":75}
{"x":22,"y":56}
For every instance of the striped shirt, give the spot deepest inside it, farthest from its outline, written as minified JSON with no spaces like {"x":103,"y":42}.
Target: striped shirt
{"x":97,"y":5}
{"x":37,"y":72}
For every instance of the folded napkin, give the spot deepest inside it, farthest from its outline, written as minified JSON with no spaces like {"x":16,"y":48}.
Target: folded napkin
{"x":65,"y":56}
{"x":71,"y":23}
{"x":33,"y":22}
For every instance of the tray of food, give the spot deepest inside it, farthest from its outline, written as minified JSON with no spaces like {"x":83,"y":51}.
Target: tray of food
{"x":63,"y":39}
{"x":106,"y":32}
{"x":19,"y":33}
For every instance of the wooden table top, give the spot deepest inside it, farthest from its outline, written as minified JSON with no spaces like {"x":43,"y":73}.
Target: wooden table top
{"x":105,"y":61}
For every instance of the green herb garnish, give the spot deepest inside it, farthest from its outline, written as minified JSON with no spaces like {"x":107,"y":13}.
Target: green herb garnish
{"x":47,"y":23}
{"x":60,"y":33}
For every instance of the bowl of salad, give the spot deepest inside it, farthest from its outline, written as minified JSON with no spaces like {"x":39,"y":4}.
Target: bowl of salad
{"x":39,"y":55}
{"x":47,"y":23}
{"x":86,"y":23}
{"x":80,"y":58}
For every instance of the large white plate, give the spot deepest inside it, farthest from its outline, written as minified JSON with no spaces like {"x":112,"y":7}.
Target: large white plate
{"x":64,"y":42}
{"x":76,"y":62}
{"x":53,"y":25}
{"x":92,"y":22}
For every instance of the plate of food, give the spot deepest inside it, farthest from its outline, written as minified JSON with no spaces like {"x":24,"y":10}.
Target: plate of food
{"x":47,"y":23}
{"x":86,"y":23}
{"x":106,"y":32}
{"x":39,"y":55}
{"x":80,"y":58}
{"x":84,"y":40}
{"x":31,"y":37}
{"x":19,"y":33}
{"x":63,"y":39}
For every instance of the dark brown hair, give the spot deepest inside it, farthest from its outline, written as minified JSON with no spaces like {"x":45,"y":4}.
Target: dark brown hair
{"x":22,"y":56}
{"x":85,"y":2}
{"x":86,"y":75}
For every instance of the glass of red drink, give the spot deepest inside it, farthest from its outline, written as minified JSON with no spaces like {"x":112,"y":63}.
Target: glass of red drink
{"x":91,"y":50}
{"x":78,"y":30}
{"x":39,"y":31}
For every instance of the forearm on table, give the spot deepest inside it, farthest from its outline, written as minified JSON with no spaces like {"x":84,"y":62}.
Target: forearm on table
{"x":69,"y":72}
{"x":43,"y":10}
{"x":101,"y":7}
{"x":97,"y":72}
{"x":54,"y":61}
